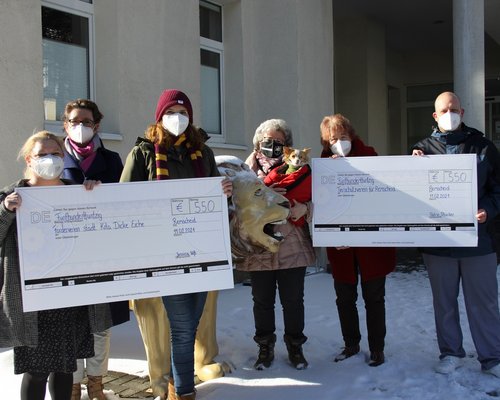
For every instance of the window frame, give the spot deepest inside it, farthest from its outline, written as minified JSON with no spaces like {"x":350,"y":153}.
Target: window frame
{"x":216,"y":47}
{"x":82,"y":9}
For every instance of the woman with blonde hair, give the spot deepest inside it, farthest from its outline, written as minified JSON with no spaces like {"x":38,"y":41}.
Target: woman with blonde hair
{"x":46,"y":343}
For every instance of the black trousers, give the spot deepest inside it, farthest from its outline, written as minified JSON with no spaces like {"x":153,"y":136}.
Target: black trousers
{"x":290,"y":284}
{"x":33,"y":385}
{"x":374,"y":296}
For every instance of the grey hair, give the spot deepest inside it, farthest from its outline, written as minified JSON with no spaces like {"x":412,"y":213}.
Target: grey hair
{"x":272,"y":125}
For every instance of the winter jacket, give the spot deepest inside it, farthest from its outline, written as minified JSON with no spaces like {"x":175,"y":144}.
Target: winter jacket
{"x":106,"y":167}
{"x":141,"y":162}
{"x":467,"y":140}
{"x":370,"y":262}
{"x":294,"y":251}
{"x":19,"y":328}
{"x":298,"y":185}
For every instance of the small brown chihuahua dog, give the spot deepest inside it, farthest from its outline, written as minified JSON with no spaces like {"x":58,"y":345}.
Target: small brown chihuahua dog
{"x":295,"y":158}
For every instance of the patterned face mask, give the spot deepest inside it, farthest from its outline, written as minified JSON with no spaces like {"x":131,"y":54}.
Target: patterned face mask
{"x":271,"y":148}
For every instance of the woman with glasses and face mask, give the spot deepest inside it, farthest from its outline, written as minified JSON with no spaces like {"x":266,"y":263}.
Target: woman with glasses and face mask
{"x":372,"y":264}
{"x":86,"y":158}
{"x":46,"y":343}
{"x":285,"y":269}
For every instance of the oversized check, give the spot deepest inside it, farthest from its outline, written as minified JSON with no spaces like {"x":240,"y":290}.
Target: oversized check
{"x":400,"y":201}
{"x":122,"y":241}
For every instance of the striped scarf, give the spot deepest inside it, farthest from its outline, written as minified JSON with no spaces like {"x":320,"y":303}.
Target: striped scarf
{"x":161,"y":159}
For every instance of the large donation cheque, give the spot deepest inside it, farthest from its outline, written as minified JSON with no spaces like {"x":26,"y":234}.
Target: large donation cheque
{"x":122,"y":241}
{"x":397,"y":201}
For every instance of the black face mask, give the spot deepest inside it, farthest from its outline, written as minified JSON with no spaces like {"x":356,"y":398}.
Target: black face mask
{"x":271,"y":148}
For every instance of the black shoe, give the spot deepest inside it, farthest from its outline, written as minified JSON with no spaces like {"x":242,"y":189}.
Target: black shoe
{"x":376,"y":358}
{"x":266,"y":351}
{"x":295,"y":354}
{"x":348,"y":351}
{"x":297,"y":358}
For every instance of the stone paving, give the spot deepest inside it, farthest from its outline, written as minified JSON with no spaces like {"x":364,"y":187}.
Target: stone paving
{"x":127,"y":386}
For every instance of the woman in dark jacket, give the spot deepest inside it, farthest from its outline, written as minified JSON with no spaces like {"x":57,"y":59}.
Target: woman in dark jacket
{"x":46,"y":343}
{"x":86,"y":158}
{"x":371,"y":264}
{"x":173,"y":148}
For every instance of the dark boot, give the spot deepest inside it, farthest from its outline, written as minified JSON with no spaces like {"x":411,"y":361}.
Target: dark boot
{"x":376,"y":358}
{"x":295,"y":355}
{"x":266,"y":351}
{"x":348,"y":351}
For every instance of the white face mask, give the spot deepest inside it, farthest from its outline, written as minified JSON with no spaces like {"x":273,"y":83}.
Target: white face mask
{"x":175,"y":123}
{"x":47,"y":167}
{"x":341,"y":147}
{"x":449,"y":121}
{"x":80,"y":134}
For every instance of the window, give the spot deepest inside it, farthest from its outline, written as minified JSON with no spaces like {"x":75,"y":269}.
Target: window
{"x":211,"y":55}
{"x":67,"y":54}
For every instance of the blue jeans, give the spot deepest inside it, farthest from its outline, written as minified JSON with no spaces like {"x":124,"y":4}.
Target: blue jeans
{"x":184,"y":312}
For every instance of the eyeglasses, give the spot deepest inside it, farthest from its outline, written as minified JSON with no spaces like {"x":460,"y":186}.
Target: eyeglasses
{"x":270,"y":140}
{"x":86,"y":122}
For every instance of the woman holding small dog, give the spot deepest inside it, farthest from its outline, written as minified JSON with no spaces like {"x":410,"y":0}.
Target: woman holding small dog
{"x":372,"y":264}
{"x":285,"y":269}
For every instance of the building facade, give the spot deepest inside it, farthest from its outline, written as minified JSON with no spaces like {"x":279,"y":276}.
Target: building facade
{"x":239,"y":61}
{"x":243,"y":61}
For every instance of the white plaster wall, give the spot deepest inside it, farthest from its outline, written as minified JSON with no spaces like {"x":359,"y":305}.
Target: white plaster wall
{"x":377,"y":88}
{"x":278,"y":64}
{"x":352,"y":75}
{"x":142,"y":48}
{"x":288,"y":65}
{"x":315,"y":85}
{"x":21,"y":105}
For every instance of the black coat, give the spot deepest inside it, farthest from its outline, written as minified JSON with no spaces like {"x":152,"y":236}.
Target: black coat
{"x":107,"y":168}
{"x":467,"y":140}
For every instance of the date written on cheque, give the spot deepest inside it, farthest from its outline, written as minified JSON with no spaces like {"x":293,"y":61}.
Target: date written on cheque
{"x":437,"y":196}
{"x":184,"y":231}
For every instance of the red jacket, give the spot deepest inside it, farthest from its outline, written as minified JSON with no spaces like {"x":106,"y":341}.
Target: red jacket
{"x":298,"y":185}
{"x":369,"y":262}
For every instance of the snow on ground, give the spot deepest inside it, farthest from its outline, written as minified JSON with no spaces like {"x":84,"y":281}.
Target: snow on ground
{"x":411,"y":351}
